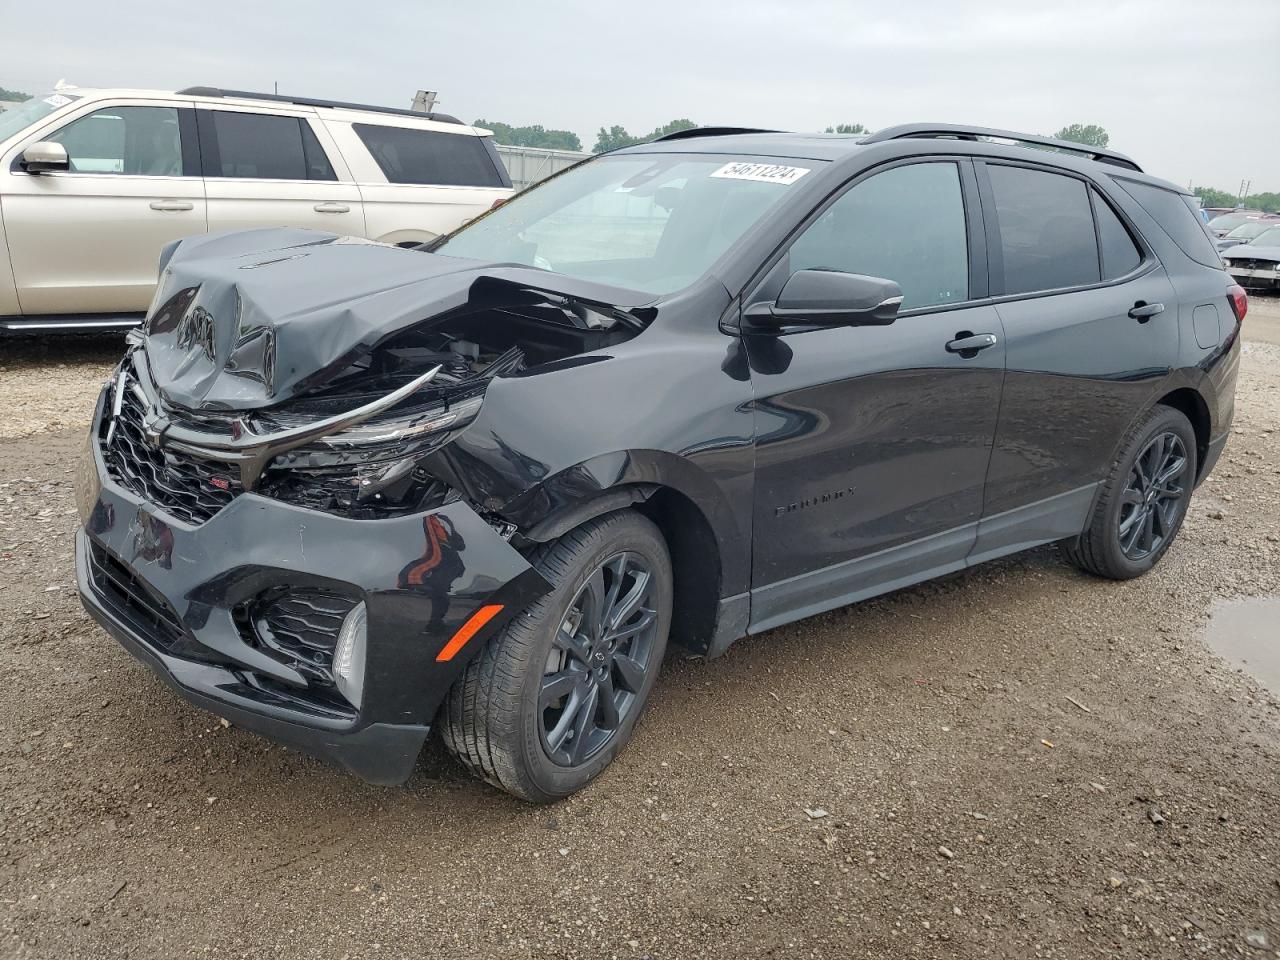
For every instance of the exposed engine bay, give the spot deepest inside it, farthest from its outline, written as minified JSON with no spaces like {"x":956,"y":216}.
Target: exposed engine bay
{"x":219,"y":395}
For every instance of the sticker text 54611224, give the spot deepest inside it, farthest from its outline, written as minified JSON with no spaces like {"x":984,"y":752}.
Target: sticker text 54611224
{"x":763,"y":172}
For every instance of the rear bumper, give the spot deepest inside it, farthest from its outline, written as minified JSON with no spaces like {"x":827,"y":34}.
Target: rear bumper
{"x":420,"y":578}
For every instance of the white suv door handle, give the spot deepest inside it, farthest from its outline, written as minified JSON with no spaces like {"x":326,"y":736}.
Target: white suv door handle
{"x":172,"y":205}
{"x":331,"y":207}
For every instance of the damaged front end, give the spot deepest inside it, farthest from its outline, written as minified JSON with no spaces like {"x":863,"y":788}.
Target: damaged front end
{"x":257,"y":491}
{"x":332,"y":398}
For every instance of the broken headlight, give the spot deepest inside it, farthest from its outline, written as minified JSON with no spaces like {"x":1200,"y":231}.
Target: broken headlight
{"x":373,"y":469}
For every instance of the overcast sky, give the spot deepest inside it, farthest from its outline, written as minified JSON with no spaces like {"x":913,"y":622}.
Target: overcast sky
{"x":1173,"y":81}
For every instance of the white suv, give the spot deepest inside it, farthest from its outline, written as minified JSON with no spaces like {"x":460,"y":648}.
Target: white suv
{"x":93,"y":183}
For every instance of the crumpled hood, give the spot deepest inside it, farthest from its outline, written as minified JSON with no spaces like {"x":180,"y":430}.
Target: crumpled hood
{"x":249,"y":319}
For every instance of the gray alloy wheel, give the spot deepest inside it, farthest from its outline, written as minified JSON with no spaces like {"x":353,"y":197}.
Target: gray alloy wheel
{"x":554,"y":697}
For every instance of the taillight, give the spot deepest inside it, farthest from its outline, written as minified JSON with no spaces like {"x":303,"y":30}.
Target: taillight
{"x":1239,"y":300}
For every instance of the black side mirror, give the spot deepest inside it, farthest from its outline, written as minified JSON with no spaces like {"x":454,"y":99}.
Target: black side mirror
{"x":812,"y":299}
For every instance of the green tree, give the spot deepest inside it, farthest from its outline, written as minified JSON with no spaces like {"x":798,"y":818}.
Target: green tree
{"x":616,"y":137}
{"x":846,"y":128}
{"x":1090,"y":134}
{"x":1270,"y":202}
{"x":12,"y":95}
{"x":1211,"y":197}
{"x":531,"y":136}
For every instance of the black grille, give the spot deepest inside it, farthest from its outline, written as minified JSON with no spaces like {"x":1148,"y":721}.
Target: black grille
{"x":300,"y":629}
{"x":134,"y":601}
{"x":186,"y":487}
{"x":1243,"y":264}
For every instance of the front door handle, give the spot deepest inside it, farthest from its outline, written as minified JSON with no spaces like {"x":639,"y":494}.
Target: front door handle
{"x":168,"y":205}
{"x":1143,"y":311}
{"x":331,"y":207}
{"x":968,"y":344}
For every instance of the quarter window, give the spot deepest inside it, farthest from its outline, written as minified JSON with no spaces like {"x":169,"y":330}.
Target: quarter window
{"x":130,"y":141}
{"x":1120,"y":254}
{"x":1046,"y":230}
{"x":1177,"y":216}
{"x":906,"y":225}
{"x":428,"y":156}
{"x":260,"y":146}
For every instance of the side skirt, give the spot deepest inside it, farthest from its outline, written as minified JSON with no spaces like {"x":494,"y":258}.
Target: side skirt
{"x":1054,"y":518}
{"x":69,"y":323}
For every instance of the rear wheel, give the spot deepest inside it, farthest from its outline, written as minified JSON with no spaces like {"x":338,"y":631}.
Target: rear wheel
{"x":554,"y":697}
{"x":1143,"y":500}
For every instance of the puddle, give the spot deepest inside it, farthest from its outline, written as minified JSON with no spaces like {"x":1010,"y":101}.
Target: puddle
{"x":1246,"y":633}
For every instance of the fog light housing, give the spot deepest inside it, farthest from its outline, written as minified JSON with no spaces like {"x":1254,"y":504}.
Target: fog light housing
{"x":349,"y":656}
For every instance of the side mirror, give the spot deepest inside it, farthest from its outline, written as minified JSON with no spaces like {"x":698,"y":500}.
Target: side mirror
{"x":812,"y":299}
{"x":44,"y":157}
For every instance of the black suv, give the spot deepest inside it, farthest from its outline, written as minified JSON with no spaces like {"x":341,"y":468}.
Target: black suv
{"x":339,"y":492}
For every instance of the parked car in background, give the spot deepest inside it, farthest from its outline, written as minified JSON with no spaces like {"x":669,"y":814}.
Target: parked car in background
{"x":1256,"y":264}
{"x":690,"y":390}
{"x":94,"y":183}
{"x":1221,"y":225}
{"x":1246,"y":232}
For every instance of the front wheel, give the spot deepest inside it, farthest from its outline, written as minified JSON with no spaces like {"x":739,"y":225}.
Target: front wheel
{"x":1143,"y":500}
{"x":554,"y":697}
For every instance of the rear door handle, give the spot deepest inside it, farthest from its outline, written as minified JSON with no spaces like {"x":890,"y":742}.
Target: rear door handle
{"x":331,"y":207}
{"x":1143,"y":311}
{"x":968,"y":344}
{"x":167,"y":205}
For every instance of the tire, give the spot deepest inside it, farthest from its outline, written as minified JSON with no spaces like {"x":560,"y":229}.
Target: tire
{"x":1103,"y":548}
{"x":492,"y":719}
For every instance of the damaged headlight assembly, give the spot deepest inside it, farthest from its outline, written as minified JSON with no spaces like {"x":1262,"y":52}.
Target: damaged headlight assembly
{"x":362,"y":463}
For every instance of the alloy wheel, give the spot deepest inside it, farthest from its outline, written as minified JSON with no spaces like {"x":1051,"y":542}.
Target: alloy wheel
{"x":1151,"y":500}
{"x":599,"y":660}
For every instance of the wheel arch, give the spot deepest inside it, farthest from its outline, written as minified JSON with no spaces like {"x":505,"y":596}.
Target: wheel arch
{"x":1190,"y":403}
{"x":693,"y":516}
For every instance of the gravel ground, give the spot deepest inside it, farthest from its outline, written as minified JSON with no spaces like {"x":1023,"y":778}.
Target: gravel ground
{"x":1015,"y":761}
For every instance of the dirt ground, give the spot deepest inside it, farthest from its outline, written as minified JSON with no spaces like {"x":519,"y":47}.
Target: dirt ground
{"x":1016,"y":761}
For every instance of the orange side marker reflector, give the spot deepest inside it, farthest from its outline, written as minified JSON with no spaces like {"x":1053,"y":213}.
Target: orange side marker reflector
{"x":468,"y":630}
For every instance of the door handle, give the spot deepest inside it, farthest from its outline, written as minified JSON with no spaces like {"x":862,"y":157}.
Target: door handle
{"x":167,"y":205}
{"x":331,"y":207}
{"x":1143,"y":311}
{"x":968,"y":344}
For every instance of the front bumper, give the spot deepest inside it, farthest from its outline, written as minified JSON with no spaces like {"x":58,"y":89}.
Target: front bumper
{"x":192,"y":581}
{"x":1256,"y":278}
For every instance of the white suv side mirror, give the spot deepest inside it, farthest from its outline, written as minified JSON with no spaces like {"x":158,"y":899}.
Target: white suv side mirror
{"x":45,"y":156}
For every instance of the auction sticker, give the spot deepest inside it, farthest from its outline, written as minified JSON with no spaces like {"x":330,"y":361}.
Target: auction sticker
{"x":57,"y":100}
{"x":763,"y":172}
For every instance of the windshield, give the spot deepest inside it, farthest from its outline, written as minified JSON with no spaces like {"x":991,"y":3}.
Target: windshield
{"x":1268,"y":238}
{"x":1249,"y":230}
{"x":16,"y":119}
{"x":1229,"y":221}
{"x":648,"y":222}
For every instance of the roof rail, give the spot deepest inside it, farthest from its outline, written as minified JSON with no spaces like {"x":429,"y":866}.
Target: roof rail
{"x":957,"y":131}
{"x":312,"y":102}
{"x":709,"y":132}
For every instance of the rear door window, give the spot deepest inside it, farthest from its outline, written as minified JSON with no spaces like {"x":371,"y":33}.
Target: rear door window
{"x":1047,"y":239}
{"x":1120,"y":255}
{"x":430,"y":157}
{"x":259,"y":146}
{"x":906,"y":225}
{"x":1177,"y":216}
